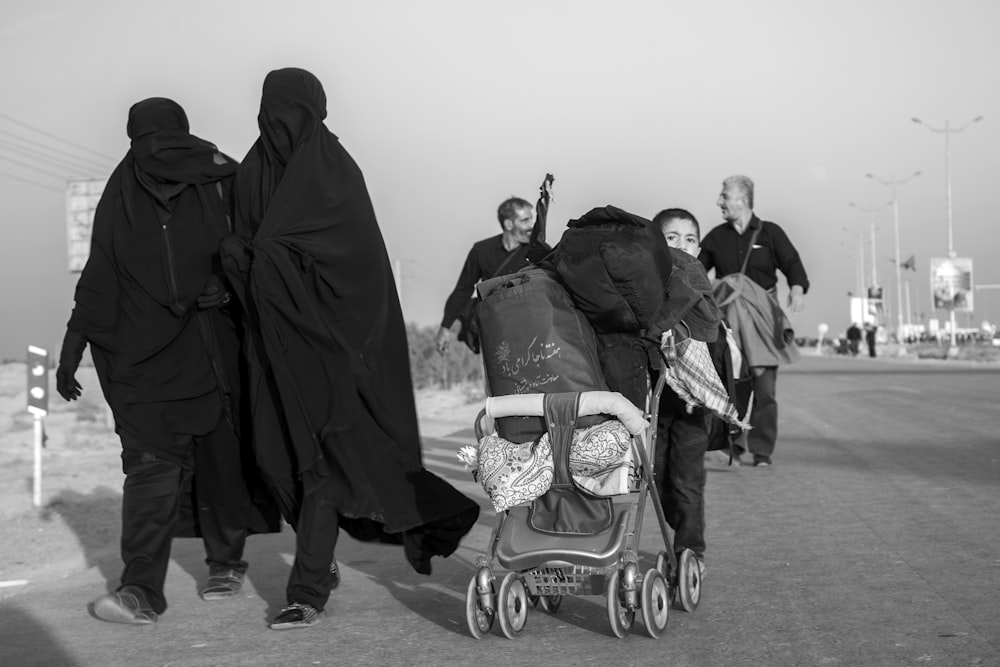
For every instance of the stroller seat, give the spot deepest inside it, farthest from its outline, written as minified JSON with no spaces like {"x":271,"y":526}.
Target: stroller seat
{"x":521,"y":548}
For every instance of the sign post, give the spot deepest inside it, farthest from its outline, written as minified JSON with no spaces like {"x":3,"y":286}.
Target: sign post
{"x":82,"y":197}
{"x":38,"y":405}
{"x":952,"y":290}
{"x":822,"y":328}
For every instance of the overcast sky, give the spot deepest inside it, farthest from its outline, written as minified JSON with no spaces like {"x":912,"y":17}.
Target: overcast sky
{"x":449,"y":107}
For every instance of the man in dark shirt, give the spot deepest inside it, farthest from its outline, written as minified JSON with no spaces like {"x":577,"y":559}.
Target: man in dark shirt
{"x":759,"y":249}
{"x":854,"y":339}
{"x":522,"y":241}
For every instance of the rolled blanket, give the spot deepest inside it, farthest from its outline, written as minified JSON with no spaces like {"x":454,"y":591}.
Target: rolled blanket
{"x":517,"y":473}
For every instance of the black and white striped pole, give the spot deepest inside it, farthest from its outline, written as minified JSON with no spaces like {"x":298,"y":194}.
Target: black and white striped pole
{"x":38,"y":405}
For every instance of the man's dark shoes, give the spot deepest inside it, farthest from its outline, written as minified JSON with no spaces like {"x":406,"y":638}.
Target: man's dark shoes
{"x":296,"y":615}
{"x":222,"y":584}
{"x":127,"y":605}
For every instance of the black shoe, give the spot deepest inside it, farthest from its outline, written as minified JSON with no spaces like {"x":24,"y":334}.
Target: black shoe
{"x":296,"y":615}
{"x":222,"y":584}
{"x":127,"y":605}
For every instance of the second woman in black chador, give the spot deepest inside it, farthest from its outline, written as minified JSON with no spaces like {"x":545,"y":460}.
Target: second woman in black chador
{"x":335,"y":420}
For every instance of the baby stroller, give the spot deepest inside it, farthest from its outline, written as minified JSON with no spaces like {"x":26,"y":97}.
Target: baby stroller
{"x":546,"y":552}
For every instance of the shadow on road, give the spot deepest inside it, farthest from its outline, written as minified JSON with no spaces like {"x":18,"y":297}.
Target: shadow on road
{"x":26,"y":642}
{"x":95,"y":518}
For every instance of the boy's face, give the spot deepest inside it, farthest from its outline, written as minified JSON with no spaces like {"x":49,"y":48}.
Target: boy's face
{"x":681,"y":234}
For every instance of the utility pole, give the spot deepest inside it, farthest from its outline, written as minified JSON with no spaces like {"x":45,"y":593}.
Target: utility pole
{"x":894,"y":183}
{"x":947,"y":131}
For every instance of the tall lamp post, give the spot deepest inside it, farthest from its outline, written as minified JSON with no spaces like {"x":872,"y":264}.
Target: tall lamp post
{"x":871,"y":211}
{"x":947,"y":131}
{"x":860,"y":275}
{"x":894,"y":183}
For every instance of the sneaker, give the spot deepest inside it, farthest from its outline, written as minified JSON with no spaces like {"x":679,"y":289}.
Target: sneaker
{"x":761,"y":461}
{"x":335,"y":574}
{"x":296,"y":615}
{"x":127,"y":605}
{"x":222,"y":584}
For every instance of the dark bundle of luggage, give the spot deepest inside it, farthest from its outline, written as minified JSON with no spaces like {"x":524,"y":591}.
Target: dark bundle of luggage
{"x":590,"y":316}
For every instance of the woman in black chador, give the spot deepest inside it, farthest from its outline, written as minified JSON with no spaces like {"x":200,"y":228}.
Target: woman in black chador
{"x":335,"y":425}
{"x":152,"y":304}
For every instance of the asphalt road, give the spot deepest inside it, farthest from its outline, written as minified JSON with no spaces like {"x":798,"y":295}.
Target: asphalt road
{"x":873,"y":540}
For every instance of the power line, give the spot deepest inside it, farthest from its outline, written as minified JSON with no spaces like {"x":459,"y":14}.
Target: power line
{"x":52,"y":136}
{"x":33,"y":168}
{"x":38,"y":158}
{"x":25,"y":180}
{"x":51,"y":149}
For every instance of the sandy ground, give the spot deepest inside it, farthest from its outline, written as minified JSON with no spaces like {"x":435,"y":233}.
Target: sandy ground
{"x":78,"y":520}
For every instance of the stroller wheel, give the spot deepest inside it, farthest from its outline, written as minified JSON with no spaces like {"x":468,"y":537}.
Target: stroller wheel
{"x":512,"y":605}
{"x":688,"y":581}
{"x":620,"y":616}
{"x":480,"y":620}
{"x":551,"y":603}
{"x":655,"y":603}
{"x":663,"y":565}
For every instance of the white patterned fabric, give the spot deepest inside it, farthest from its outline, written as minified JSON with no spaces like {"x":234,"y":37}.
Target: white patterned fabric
{"x":692,"y":376}
{"x":600,"y":461}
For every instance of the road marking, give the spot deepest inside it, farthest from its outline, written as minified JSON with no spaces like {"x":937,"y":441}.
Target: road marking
{"x":13,"y":582}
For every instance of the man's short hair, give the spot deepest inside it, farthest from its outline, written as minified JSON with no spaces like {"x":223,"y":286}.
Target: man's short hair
{"x":509,"y":207}
{"x":743,"y":184}
{"x":668,"y":214}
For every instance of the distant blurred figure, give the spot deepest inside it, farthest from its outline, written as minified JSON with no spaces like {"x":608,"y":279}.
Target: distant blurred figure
{"x":521,"y":241}
{"x":746,"y":253}
{"x":870,"y":330}
{"x":152,"y":304}
{"x":854,"y":339}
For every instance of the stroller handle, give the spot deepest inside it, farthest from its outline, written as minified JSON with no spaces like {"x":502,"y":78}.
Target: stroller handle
{"x":591,"y":403}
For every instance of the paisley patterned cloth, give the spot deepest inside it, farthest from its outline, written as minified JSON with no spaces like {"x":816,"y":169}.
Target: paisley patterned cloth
{"x":511,"y":473}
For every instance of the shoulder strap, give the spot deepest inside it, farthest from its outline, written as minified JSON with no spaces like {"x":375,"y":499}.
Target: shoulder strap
{"x":520,"y":253}
{"x":753,"y":239}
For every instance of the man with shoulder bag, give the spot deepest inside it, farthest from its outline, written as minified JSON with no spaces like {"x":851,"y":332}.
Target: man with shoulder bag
{"x":521,"y":242}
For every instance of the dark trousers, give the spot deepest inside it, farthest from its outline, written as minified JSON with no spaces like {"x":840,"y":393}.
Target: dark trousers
{"x":764,"y":418}
{"x":679,"y":471}
{"x":316,"y":532}
{"x":155,"y":492}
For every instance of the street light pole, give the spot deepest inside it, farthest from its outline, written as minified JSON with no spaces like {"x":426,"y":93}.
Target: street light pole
{"x":948,"y":130}
{"x":894,"y":183}
{"x":871,"y":211}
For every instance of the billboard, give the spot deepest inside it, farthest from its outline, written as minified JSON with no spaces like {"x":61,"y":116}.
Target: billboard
{"x":951,"y":283}
{"x":875,"y":300}
{"x":81,"y":202}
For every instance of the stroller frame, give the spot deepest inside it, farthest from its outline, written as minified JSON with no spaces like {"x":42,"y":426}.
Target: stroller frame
{"x":603,"y":564}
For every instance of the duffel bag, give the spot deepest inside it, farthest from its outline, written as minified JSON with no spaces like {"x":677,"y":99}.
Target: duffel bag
{"x":535,"y":340}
